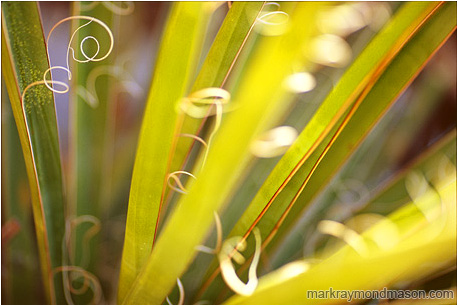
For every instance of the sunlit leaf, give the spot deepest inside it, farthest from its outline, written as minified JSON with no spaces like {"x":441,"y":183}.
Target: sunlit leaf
{"x":344,"y":118}
{"x":420,"y":239}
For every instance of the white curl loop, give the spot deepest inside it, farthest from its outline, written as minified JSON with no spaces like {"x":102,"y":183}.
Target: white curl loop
{"x":272,"y":23}
{"x":197,"y":104}
{"x":72,"y":272}
{"x":89,"y":281}
{"x":84,"y":53}
{"x":69,"y":48}
{"x":273,"y":4}
{"x":195,"y":137}
{"x":48,"y":83}
{"x":265,"y":17}
{"x":174,"y":176}
{"x":206,"y":98}
{"x":230,"y":250}
{"x":349,"y":236}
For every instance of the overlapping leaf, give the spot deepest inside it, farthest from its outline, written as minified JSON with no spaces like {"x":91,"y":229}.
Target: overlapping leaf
{"x":175,"y":63}
{"x":417,"y":233}
{"x":227,"y":156}
{"x":345,"y":117}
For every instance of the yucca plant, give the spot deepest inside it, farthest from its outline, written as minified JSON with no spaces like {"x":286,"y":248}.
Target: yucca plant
{"x":311,"y":143}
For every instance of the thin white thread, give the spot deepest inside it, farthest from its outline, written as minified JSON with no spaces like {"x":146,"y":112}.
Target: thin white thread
{"x":348,"y":235}
{"x":68,"y":271}
{"x":219,"y":238}
{"x":173,"y":175}
{"x":181,"y":292}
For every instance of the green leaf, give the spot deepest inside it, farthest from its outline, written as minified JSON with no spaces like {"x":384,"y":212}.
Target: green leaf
{"x":227,"y":45}
{"x":298,"y":118}
{"x":218,"y":64}
{"x":91,"y":126}
{"x":24,"y":61}
{"x":416,"y":232}
{"x":393,"y":192}
{"x":398,"y":75}
{"x":217,"y":67}
{"x":304,"y":155}
{"x":356,"y":103}
{"x":377,"y":157}
{"x":228,"y":154}
{"x":388,"y":196}
{"x":180,"y":43}
{"x":19,"y":247}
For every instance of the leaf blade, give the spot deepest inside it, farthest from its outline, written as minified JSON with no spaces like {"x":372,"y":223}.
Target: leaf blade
{"x":91,"y":127}
{"x":157,"y":136}
{"x":218,"y":65}
{"x":24,"y":60}
{"x":17,"y":211}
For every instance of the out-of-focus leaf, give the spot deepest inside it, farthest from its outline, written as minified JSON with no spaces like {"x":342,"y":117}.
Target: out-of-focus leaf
{"x":384,"y":199}
{"x":398,"y":75}
{"x":19,"y":249}
{"x":422,"y":231}
{"x":91,"y":126}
